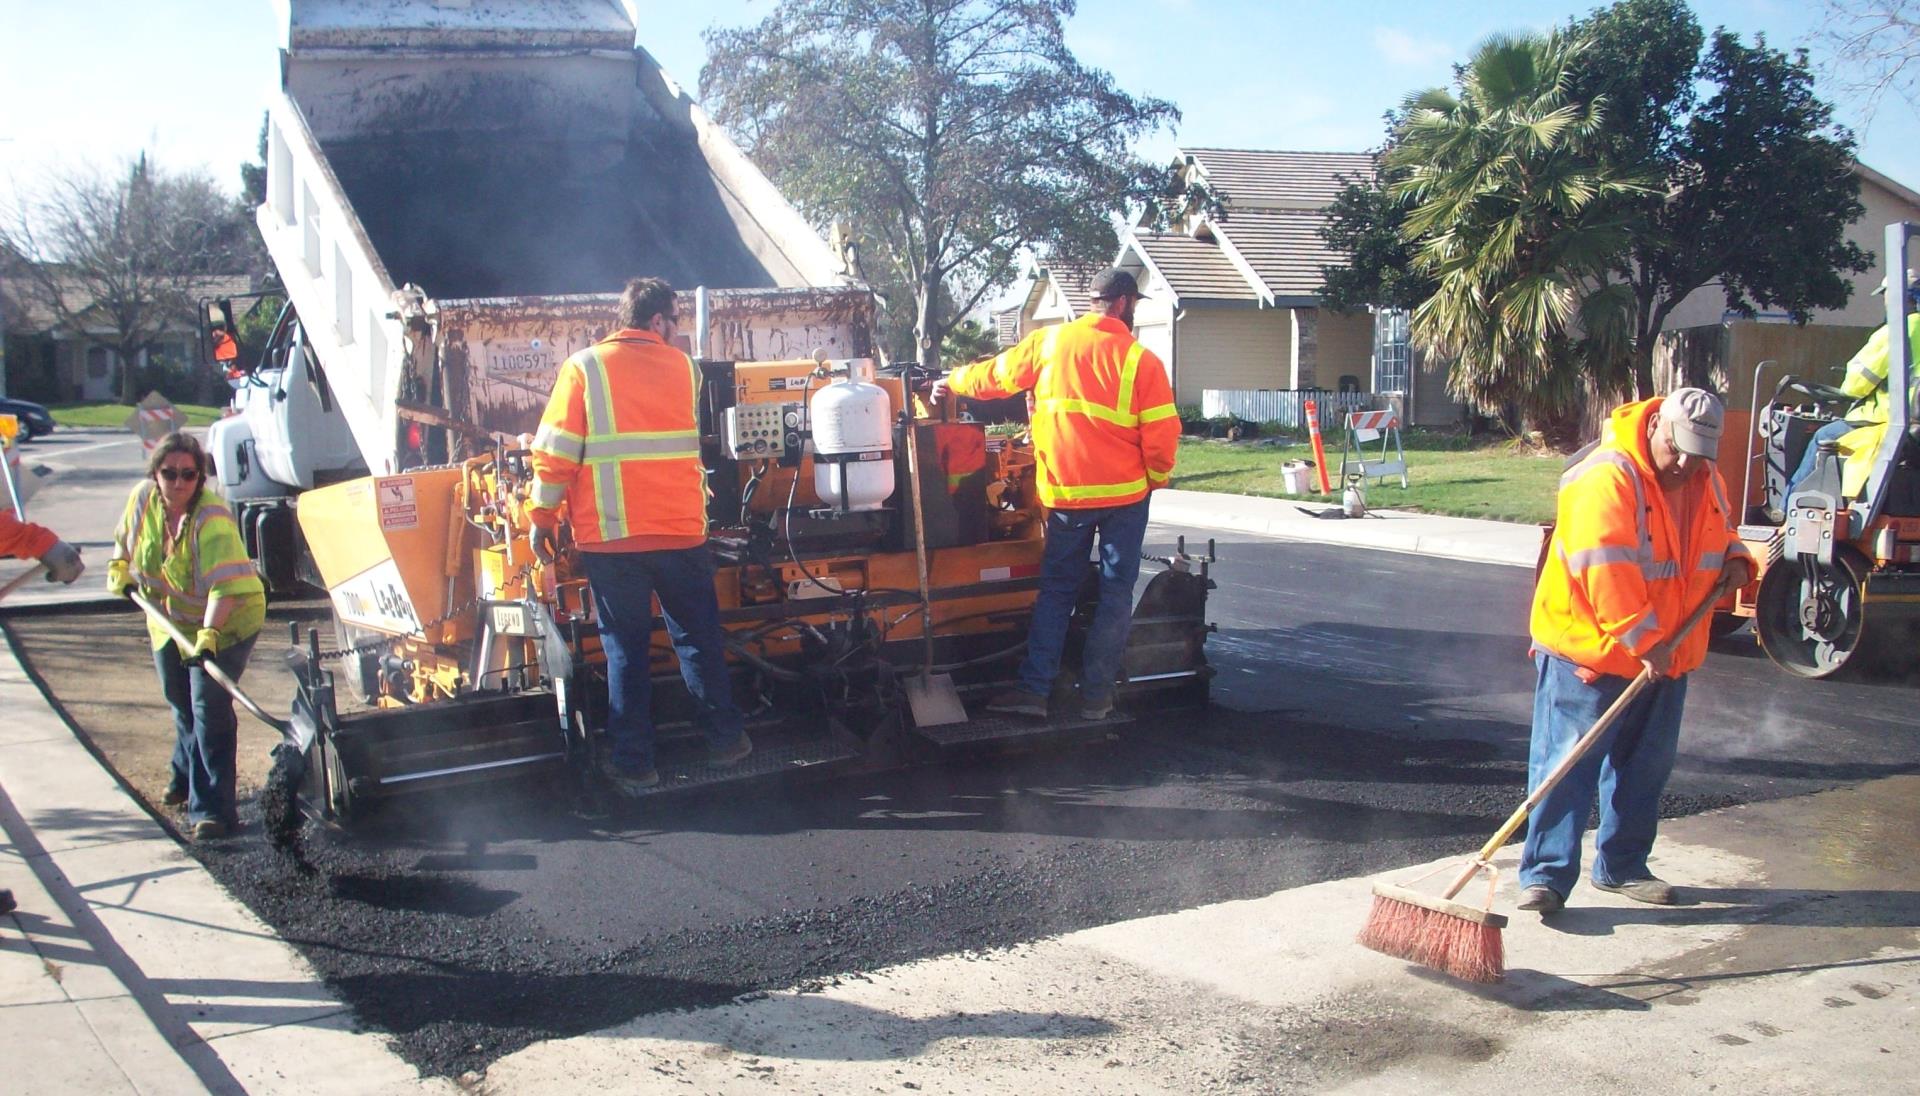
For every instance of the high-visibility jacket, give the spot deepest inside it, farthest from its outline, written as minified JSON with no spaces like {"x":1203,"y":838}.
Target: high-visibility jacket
{"x":1866,"y":381}
{"x":209,"y":562}
{"x":20,"y":539}
{"x":1620,"y":574}
{"x":620,"y":445}
{"x":1105,"y":430}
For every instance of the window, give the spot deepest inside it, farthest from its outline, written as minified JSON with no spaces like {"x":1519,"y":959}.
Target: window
{"x":1392,"y":351}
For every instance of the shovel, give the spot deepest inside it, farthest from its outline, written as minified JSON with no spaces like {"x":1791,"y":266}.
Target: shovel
{"x":213,"y":670}
{"x":931,"y":696}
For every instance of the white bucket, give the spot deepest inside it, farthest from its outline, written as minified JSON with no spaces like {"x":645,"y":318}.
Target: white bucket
{"x":1296,"y":477}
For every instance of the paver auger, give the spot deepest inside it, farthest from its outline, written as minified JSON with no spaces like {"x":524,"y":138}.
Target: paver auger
{"x":472,"y":660}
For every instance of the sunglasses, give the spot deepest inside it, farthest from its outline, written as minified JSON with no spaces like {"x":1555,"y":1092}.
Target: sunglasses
{"x":174,"y":475}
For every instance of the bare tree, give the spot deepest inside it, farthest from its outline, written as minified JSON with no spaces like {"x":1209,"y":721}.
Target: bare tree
{"x":1874,"y":46}
{"x":124,"y":255}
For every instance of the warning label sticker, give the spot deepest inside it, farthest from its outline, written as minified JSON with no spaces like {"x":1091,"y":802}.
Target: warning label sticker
{"x":397,"y":509}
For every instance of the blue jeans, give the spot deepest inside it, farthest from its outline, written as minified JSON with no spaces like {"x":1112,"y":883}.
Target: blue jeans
{"x":624,"y":585}
{"x":1070,"y":540}
{"x":1833,"y":431}
{"x":1628,"y":768}
{"x":204,"y":731}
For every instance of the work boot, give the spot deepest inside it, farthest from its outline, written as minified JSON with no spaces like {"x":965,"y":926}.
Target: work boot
{"x":1542,"y":899}
{"x":175,"y":796}
{"x":7,"y":904}
{"x":1096,"y":707}
{"x":1019,"y":702}
{"x":732,"y":755}
{"x":630,"y":782}
{"x":1654,"y":892}
{"x":211,"y":829}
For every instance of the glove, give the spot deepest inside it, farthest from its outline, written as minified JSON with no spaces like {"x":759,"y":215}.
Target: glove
{"x":119,"y":582}
{"x":206,"y":645}
{"x":544,"y":542}
{"x":63,"y":563}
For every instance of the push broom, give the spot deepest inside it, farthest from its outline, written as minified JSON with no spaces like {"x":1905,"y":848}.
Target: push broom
{"x":1460,"y":939}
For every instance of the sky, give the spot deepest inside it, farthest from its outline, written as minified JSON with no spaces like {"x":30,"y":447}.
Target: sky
{"x":94,"y":82}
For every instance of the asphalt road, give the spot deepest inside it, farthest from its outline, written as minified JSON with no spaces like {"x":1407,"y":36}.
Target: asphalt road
{"x":1370,"y":712}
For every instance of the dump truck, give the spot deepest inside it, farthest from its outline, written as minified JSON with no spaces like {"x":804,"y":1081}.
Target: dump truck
{"x":455,"y":194}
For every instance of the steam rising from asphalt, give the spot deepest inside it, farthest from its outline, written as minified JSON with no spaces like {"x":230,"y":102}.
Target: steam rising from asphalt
{"x":1766,"y":734}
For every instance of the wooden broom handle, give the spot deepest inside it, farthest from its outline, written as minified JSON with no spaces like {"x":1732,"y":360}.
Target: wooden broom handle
{"x":1580,"y":749}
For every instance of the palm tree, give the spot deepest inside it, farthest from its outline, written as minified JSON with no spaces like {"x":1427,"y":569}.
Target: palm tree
{"x":1515,"y":214}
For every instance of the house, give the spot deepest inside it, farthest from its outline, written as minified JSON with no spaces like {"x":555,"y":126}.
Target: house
{"x":47,"y":359}
{"x":1059,"y":292}
{"x":1886,"y":202}
{"x":1234,"y":301}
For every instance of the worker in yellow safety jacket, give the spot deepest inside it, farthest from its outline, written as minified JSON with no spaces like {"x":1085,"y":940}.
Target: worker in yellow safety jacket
{"x":619,"y":447}
{"x":178,"y":545}
{"x":1859,"y":432}
{"x":1105,"y":433}
{"x":1643,"y":536}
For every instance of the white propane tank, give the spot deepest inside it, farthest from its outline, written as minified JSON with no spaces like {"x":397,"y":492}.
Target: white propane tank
{"x":853,"y":441}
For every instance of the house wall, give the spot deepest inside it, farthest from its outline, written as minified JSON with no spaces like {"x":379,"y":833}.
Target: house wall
{"x":1232,"y":348}
{"x":1343,"y":346}
{"x":1704,"y":306}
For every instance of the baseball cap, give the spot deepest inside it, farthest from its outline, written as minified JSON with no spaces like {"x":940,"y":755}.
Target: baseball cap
{"x":1113,"y":282}
{"x":1694,"y":414}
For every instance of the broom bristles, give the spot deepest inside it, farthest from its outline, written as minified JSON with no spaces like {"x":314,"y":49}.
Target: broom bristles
{"x":1465,"y":947}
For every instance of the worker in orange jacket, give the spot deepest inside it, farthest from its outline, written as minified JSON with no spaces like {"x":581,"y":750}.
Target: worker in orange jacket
{"x":1105,"y":433}
{"x":1643,"y":535}
{"x":619,"y":444}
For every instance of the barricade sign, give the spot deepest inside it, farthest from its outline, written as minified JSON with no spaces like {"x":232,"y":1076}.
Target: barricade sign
{"x":1363,"y":429}
{"x":154,"y":418}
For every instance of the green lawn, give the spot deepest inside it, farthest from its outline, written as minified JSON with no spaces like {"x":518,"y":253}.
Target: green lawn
{"x":1446,"y":472}
{"x":114,"y":415}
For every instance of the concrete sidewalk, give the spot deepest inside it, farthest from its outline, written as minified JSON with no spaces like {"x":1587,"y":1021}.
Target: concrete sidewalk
{"x":1385,"y":530}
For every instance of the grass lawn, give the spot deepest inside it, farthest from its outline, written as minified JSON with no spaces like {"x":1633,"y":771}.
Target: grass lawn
{"x":98,"y":416}
{"x":1446,"y":472}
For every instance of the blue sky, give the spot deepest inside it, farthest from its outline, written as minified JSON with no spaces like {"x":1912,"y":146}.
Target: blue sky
{"x":94,"y":81}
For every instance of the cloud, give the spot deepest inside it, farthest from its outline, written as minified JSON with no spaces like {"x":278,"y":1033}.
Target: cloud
{"x":1401,"y":48}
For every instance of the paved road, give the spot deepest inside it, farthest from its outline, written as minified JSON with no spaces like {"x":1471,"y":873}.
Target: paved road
{"x":84,"y":476}
{"x":1371,"y":713}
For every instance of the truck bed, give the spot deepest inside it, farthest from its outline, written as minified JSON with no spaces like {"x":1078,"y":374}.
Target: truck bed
{"x":502,"y":215}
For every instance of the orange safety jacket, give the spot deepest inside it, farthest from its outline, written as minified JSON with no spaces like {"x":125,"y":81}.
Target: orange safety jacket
{"x":20,"y":539}
{"x":1620,"y":573}
{"x":1105,"y":430}
{"x":620,"y":445}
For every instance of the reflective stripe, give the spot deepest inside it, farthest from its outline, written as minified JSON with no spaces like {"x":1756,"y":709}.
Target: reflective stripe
{"x":1578,"y":562}
{"x":1087,"y":408}
{"x":659,"y":445}
{"x":1158,"y":477}
{"x":229,"y":571}
{"x":599,"y":398}
{"x":1095,"y":491}
{"x":1712,"y":561}
{"x":1640,"y":631}
{"x":1155,"y":414}
{"x":548,"y":495}
{"x":556,"y":442}
{"x":1123,"y":399}
{"x":1653,"y":571}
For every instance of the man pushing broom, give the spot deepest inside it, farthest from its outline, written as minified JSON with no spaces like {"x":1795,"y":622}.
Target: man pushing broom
{"x":1643,"y":547}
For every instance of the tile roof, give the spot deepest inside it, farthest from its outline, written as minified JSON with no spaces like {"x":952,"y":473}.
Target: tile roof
{"x":27,"y":311}
{"x":1195,"y":268}
{"x":1284,"y":248}
{"x":1075,"y":281}
{"x":1251,"y":178}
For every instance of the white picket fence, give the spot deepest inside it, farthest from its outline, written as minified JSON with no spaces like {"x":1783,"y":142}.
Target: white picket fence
{"x":1287,"y":406}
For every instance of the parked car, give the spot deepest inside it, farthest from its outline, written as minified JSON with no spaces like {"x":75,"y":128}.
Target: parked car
{"x":35,"y":420}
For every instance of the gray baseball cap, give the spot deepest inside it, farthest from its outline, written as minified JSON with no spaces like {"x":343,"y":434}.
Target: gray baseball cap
{"x":1695,"y":415}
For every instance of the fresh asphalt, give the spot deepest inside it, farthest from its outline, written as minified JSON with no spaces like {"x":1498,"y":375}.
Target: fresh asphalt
{"x":1370,"y":711}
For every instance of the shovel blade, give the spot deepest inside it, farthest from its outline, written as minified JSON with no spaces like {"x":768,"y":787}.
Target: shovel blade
{"x":934,"y":701}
